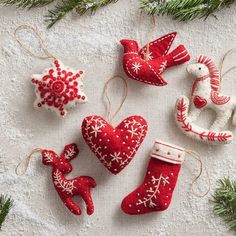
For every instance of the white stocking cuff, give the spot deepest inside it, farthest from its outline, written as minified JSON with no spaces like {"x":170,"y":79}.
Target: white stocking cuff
{"x":168,"y":152}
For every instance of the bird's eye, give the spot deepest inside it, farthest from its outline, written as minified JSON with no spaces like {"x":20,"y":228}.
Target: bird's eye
{"x":199,"y":68}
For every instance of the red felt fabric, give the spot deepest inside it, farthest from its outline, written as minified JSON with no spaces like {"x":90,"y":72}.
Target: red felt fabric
{"x":68,"y":188}
{"x":147,"y":64}
{"x":114,"y":147}
{"x":155,"y":193}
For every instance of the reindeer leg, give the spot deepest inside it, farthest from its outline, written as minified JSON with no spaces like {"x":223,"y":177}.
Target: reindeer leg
{"x":88,"y":201}
{"x":72,"y":206}
{"x":221,"y":120}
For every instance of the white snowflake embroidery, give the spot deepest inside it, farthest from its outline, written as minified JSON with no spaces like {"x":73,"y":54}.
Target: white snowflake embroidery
{"x":153,"y":191}
{"x":96,"y":130}
{"x":136,"y":67}
{"x":48,"y":157}
{"x":116,"y":157}
{"x":131,"y":125}
{"x":147,"y":55}
{"x":133,"y":130}
{"x":141,"y":133}
{"x":70,"y":153}
{"x":66,"y":185}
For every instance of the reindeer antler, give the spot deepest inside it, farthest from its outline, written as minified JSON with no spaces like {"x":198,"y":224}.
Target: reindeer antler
{"x":70,"y":151}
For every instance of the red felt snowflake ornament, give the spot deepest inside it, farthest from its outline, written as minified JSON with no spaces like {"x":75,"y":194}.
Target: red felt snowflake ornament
{"x":59,"y":88}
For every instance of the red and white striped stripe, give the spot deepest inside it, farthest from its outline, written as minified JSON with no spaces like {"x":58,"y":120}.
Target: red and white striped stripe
{"x":213,"y":71}
{"x":180,"y":56}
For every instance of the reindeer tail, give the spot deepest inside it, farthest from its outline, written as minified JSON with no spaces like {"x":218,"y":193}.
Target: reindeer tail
{"x":178,"y":56}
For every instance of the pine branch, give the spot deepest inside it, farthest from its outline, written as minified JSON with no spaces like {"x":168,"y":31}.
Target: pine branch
{"x":184,"y":10}
{"x":25,"y":3}
{"x":5,"y":206}
{"x":224,"y":201}
{"x":92,"y":5}
{"x":81,"y":7}
{"x":60,"y":11}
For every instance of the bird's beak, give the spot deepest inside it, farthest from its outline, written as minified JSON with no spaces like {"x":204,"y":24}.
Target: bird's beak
{"x":123,"y":41}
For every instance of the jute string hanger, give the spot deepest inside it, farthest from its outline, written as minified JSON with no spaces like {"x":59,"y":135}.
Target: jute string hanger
{"x":197,"y":157}
{"x":24,"y":163}
{"x":222,"y":74}
{"x":48,"y":54}
{"x":107,"y":101}
{"x":149,"y":35}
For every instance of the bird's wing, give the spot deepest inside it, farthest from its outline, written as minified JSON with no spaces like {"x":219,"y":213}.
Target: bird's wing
{"x":158,"y":47}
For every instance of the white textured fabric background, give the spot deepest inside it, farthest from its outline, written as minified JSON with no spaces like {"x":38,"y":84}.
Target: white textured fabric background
{"x":92,"y":43}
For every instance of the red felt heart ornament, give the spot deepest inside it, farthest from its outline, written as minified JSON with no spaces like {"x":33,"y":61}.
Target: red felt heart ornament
{"x":199,"y":102}
{"x":114,"y":147}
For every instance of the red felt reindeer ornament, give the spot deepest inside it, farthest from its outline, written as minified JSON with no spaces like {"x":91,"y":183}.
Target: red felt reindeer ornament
{"x":147,"y":64}
{"x":66,"y":188}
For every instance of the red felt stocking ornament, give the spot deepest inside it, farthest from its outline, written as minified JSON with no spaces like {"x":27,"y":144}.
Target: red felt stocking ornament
{"x":116,"y":146}
{"x":155,"y":193}
{"x":66,"y":188}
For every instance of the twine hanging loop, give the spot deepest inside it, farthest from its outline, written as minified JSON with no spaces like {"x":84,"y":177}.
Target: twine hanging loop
{"x":108,"y":106}
{"x":197,"y":157}
{"x":47,"y":55}
{"x":23,"y":165}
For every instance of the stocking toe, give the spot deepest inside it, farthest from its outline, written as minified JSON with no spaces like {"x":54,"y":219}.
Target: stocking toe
{"x":127,"y":206}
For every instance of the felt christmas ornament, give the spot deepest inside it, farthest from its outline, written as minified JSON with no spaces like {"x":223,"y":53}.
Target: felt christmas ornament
{"x":67,"y":188}
{"x":155,"y":193}
{"x":206,"y":94}
{"x":114,"y":147}
{"x":147,"y":64}
{"x":59,"y":88}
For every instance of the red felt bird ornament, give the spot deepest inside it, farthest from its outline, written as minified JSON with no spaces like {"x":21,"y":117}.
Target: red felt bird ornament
{"x":147,"y":64}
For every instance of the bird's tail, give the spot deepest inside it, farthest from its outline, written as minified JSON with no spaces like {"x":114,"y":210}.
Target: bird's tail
{"x":178,"y":56}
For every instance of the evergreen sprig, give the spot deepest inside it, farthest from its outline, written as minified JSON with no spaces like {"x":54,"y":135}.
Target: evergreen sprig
{"x":224,"y":201}
{"x":25,"y":3}
{"x":5,"y":206}
{"x":184,"y":10}
{"x":80,"y":6}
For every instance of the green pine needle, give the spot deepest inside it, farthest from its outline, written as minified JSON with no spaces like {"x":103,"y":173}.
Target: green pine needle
{"x":60,"y":11}
{"x":184,"y":10}
{"x":5,"y":206}
{"x":25,"y":3}
{"x":224,"y":201}
{"x":92,"y":5}
{"x":81,"y":7}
